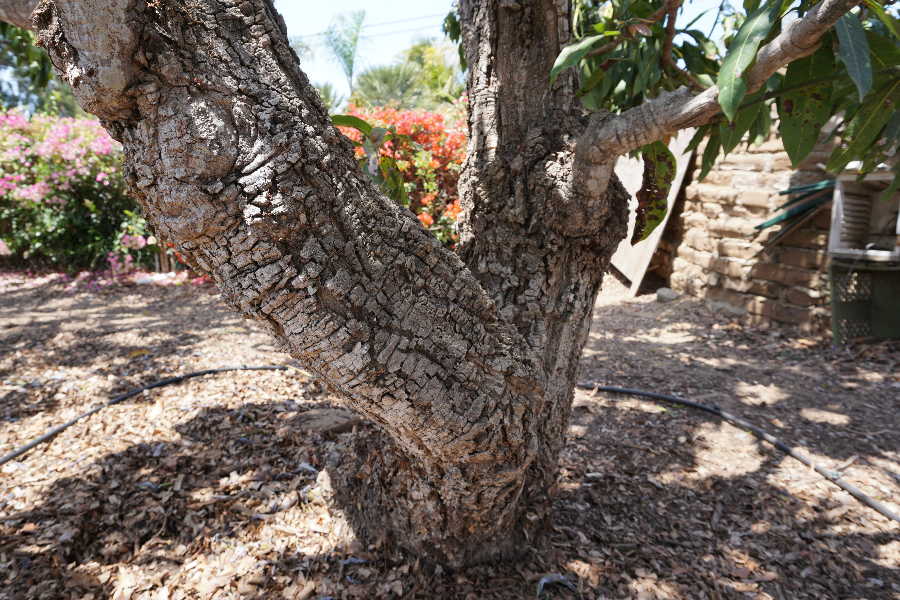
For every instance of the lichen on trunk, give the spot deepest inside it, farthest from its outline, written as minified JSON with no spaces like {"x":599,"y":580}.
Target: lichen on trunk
{"x":467,"y":366}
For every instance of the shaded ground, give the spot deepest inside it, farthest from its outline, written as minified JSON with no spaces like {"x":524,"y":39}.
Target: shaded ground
{"x":213,"y":488}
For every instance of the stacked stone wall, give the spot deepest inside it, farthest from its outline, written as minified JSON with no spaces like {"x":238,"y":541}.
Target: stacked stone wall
{"x":711,"y":248}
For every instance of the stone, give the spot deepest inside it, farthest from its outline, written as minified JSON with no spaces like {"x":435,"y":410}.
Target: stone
{"x":807,"y":238}
{"x":804,"y":259}
{"x":707,"y":192}
{"x":756,"y":198}
{"x":732,"y":227}
{"x":329,"y":420}
{"x":746,"y":162}
{"x":737,"y":248}
{"x":787,"y":275}
{"x":665,"y":294}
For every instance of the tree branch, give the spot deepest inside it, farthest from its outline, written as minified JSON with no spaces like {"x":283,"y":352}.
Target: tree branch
{"x":17,"y":12}
{"x":653,"y":18}
{"x":610,"y":136}
{"x":233,"y":157}
{"x":666,"y":52}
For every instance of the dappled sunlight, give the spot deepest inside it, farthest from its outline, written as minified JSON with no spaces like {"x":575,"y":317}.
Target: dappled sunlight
{"x":216,"y":485}
{"x":755,"y":393}
{"x":824,"y":416}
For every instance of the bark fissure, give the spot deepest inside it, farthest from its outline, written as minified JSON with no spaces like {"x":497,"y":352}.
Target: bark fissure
{"x":468,"y":361}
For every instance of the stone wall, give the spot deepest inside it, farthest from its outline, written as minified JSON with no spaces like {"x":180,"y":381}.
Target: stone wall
{"x":709,"y":246}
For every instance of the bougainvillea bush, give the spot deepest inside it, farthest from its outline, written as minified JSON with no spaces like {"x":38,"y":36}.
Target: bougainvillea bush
{"x":430,"y":165}
{"x":62,"y":199}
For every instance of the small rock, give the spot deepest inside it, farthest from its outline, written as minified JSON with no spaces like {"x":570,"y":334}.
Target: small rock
{"x":665,"y":294}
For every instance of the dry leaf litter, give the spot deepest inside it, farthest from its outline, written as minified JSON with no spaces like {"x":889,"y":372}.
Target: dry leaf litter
{"x":215,"y":488}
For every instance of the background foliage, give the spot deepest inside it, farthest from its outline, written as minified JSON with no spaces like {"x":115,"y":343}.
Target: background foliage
{"x":425,"y":164}
{"x":62,"y":198}
{"x":629,"y":51}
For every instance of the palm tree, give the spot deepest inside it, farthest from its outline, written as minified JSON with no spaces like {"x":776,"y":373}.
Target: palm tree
{"x":442,"y":75}
{"x":400,"y":83}
{"x":329,"y":95}
{"x":343,"y":39}
{"x":303,"y":49}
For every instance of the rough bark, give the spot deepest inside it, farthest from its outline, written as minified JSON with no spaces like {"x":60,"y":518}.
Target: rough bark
{"x":234,"y":159}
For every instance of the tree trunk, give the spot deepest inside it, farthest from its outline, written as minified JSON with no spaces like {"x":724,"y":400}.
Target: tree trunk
{"x":467,"y":371}
{"x":536,"y":237}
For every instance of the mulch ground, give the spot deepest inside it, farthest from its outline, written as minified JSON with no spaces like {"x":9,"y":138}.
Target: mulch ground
{"x":215,"y":488}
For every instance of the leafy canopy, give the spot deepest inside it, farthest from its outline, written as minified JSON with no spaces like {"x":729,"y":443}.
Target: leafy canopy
{"x":627,"y":51}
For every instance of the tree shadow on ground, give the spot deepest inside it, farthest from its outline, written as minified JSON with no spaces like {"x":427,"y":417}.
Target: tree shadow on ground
{"x":227,"y":504}
{"x":651,"y":501}
{"x":47,"y":352}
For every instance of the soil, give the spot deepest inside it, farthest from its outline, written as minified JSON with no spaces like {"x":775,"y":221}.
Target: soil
{"x":216,"y":487}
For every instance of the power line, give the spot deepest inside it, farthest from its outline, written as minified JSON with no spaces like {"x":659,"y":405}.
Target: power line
{"x":408,"y":20}
{"x":383,"y":24}
{"x":398,"y":32}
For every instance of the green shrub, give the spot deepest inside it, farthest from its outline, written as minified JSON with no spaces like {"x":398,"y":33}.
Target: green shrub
{"x":62,"y":199}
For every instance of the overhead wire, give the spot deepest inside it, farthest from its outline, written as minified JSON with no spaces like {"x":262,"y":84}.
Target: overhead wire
{"x":383,"y":25}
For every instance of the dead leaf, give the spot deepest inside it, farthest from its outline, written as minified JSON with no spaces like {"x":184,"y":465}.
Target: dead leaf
{"x":156,"y":410}
{"x":208,"y":585}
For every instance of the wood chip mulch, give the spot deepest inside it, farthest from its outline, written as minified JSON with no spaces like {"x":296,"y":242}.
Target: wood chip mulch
{"x":216,"y":488}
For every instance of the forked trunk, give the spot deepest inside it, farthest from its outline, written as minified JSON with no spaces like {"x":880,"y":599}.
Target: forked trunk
{"x":468,"y":368}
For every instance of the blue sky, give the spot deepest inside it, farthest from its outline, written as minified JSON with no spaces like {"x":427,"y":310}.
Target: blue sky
{"x":392,"y":27}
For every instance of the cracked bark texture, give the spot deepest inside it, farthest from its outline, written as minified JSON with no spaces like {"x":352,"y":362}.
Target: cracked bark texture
{"x":468,"y":371}
{"x":536,"y":232}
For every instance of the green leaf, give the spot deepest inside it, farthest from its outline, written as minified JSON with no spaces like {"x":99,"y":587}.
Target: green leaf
{"x":895,"y":184}
{"x":855,"y":52}
{"x":883,"y":17}
{"x":351,"y":121}
{"x":713,"y":145}
{"x":377,"y":135}
{"x":733,"y":132}
{"x":572,"y":55}
{"x":885,"y":146}
{"x":741,"y":53}
{"x":804,"y":111}
{"x":883,"y":52}
{"x":866,"y":125}
{"x":653,"y":197}
{"x":596,"y":76}
{"x":698,"y":137}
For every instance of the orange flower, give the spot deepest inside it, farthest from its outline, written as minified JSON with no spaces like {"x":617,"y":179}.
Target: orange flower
{"x":427,"y":220}
{"x":453,"y":210}
{"x":427,"y":199}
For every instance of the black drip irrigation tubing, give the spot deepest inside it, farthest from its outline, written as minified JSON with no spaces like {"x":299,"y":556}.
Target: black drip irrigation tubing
{"x":832,"y":476}
{"x":172,"y":380}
